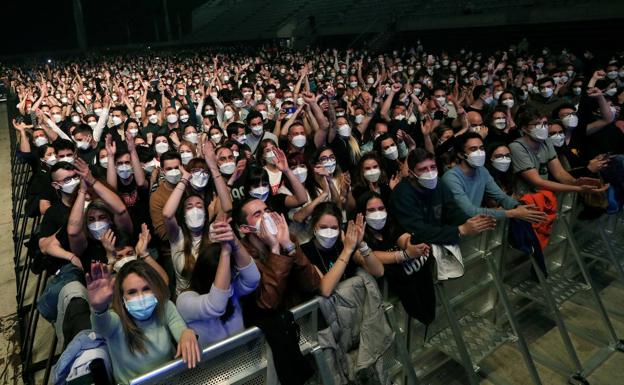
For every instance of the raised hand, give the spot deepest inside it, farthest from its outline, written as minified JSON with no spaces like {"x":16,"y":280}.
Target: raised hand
{"x":82,"y":168}
{"x":99,"y":287}
{"x":220,"y":231}
{"x":283,"y":233}
{"x":108,"y":241}
{"x":144,"y":239}
{"x":110,"y":145}
{"x":209,"y":153}
{"x":280,"y":159}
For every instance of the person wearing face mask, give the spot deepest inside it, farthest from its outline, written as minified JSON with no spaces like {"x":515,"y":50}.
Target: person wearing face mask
{"x":427,"y":210}
{"x":256,"y":132}
{"x":546,"y":101}
{"x":185,"y":236}
{"x":211,"y":305}
{"x":85,"y":145}
{"x":171,"y":165}
{"x":482,"y":103}
{"x":370,"y":176}
{"x":334,"y":257}
{"x":128,"y":179}
{"x":502,"y":127}
{"x":282,"y":265}
{"x":282,"y":198}
{"x":499,"y":166}
{"x":117,"y":129}
{"x":407,"y":266}
{"x":345,"y":145}
{"x":135,"y":316}
{"x":469,"y":183}
{"x":72,"y":182}
{"x":534,"y":159}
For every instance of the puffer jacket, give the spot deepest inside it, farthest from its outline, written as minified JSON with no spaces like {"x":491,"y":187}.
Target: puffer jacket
{"x":358,"y":334}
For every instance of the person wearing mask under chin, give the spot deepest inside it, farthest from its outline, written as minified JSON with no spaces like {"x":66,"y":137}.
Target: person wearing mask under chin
{"x":469,"y":183}
{"x":427,"y":211}
{"x":535,"y":162}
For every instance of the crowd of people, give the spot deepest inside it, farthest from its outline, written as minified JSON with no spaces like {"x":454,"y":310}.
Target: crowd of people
{"x":185,"y":196}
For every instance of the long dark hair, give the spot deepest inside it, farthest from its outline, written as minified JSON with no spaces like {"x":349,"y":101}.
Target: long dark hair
{"x":204,"y":274}
{"x":135,"y":338}
{"x":189,"y":260}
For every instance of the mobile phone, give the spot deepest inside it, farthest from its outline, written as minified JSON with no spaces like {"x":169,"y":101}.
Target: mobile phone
{"x":290,"y":110}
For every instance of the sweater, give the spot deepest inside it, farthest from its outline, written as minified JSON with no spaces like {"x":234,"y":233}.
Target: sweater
{"x":468,"y":192}
{"x":431,"y":216}
{"x":202,"y":312}
{"x":158,"y":341}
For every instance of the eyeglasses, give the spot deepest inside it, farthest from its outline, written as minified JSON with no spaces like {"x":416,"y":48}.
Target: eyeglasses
{"x":500,"y":156}
{"x":327,"y":158}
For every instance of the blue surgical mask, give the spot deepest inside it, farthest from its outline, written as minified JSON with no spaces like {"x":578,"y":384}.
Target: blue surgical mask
{"x":141,"y":307}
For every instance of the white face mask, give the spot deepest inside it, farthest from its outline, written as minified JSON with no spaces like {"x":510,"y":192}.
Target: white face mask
{"x":476,"y":158}
{"x":269,"y":224}
{"x":242,"y":139}
{"x":500,"y":123}
{"x":98,"y":228}
{"x":399,"y":117}
{"x":137,"y":114}
{"x":75,"y":119}
{"x":539,"y":132}
{"x":359,"y":118}
{"x":150,"y":166}
{"x":327,"y":237}
{"x":172,"y":118}
{"x":429,"y":179}
{"x":216,"y":138}
{"x":261,"y":192}
{"x":209,"y":113}
{"x":70,"y":187}
{"x":570,"y":121}
{"x":227,"y":168}
{"x":184,"y":118}
{"x":508,"y":103}
{"x":441,"y":101}
{"x":330,"y":166}
{"x":558,"y":140}
{"x":577,"y":90}
{"x":124,"y":171}
{"x":299,"y":141}
{"x":161,"y":147}
{"x":372,"y":175}
{"x":376,"y":219}
{"x":501,"y":164}
{"x":391,"y":152}
{"x":153,"y":119}
{"x":301,"y":172}
{"x":257,"y":130}
{"x":92,"y":124}
{"x":57,"y":118}
{"x":269,"y":157}
{"x":51,"y":161}
{"x":82,"y":144}
{"x":186,"y":157}
{"x":116,"y":120}
{"x":199,"y":179}
{"x":121,"y":262}
{"x":191,"y":137}
{"x":68,"y":159}
{"x":173,"y":176}
{"x":344,"y":130}
{"x":40,"y":141}
{"x":227,"y":114}
{"x":195,"y":218}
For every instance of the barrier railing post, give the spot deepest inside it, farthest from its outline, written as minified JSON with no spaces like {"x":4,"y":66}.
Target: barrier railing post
{"x":401,"y":346}
{"x":459,"y":339}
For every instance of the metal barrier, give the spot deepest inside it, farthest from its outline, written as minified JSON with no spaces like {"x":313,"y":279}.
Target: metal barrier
{"x":241,"y":359}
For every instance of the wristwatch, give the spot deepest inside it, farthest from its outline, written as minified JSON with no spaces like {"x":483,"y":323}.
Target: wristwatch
{"x":290,"y":249}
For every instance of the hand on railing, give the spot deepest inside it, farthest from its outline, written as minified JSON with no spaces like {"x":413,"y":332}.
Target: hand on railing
{"x":529,"y":213}
{"x":477,"y":224}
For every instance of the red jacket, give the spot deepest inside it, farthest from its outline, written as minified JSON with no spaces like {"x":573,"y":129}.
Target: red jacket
{"x":547,"y":202}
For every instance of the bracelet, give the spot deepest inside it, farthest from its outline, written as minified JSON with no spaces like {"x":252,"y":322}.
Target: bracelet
{"x":289,"y":249}
{"x":184,"y":180}
{"x":399,"y":256}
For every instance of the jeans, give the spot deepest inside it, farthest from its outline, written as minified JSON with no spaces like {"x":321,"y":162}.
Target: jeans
{"x":48,"y":301}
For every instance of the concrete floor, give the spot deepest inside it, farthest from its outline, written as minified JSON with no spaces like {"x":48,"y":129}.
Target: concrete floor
{"x":505,"y":365}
